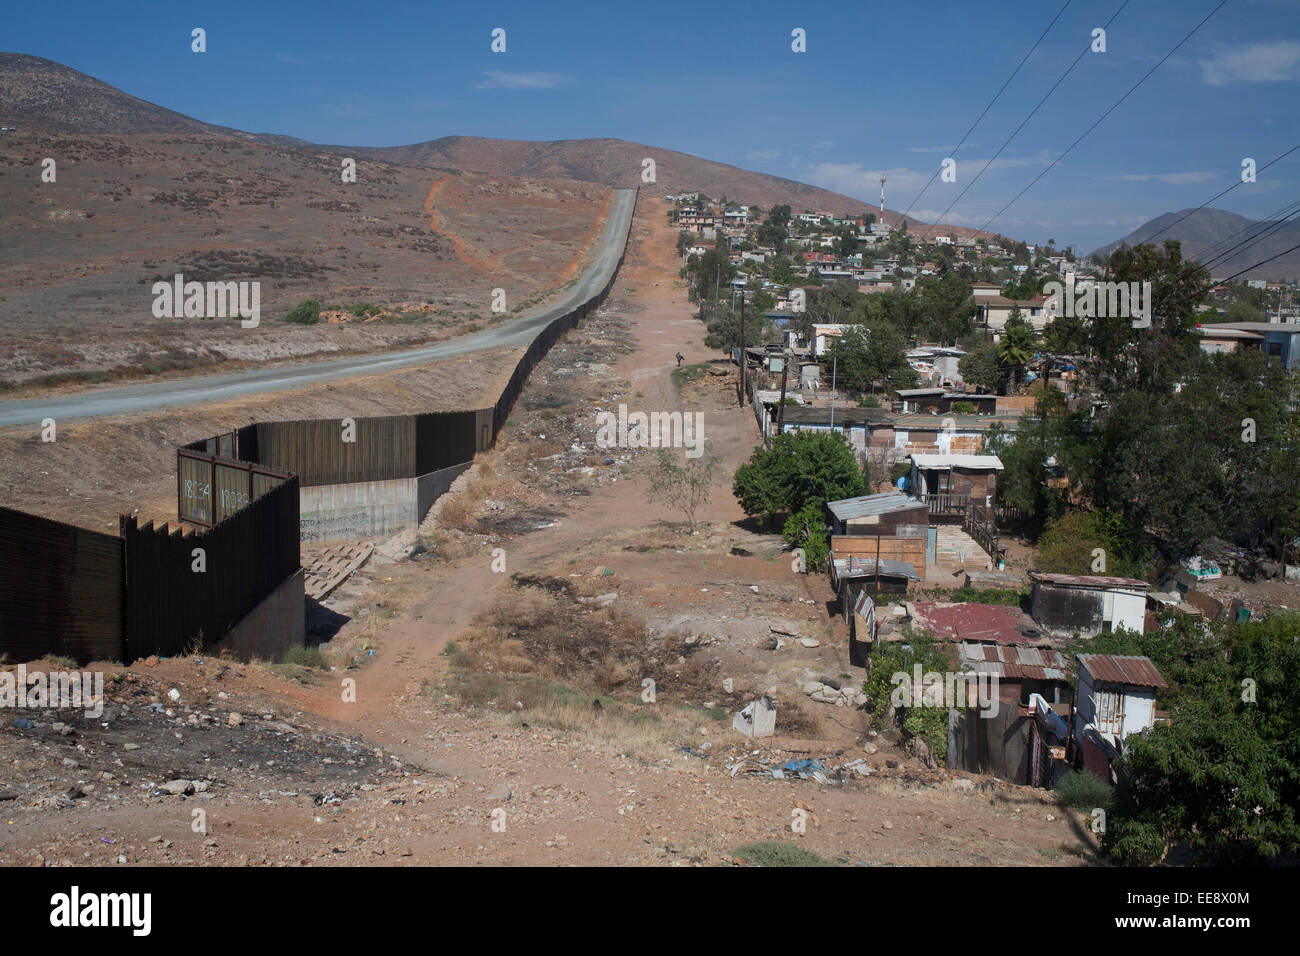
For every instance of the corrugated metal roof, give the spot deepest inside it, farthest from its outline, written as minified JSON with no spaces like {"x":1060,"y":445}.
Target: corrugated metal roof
{"x":1122,"y":669}
{"x":855,"y":567}
{"x":848,"y":508}
{"x":1014,"y":661}
{"x":998,"y":623}
{"x":916,"y":392}
{"x":1088,"y":580}
{"x":957,"y":461}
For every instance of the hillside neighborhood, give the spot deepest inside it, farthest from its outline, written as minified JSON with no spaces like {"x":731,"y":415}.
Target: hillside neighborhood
{"x":1094,"y":511}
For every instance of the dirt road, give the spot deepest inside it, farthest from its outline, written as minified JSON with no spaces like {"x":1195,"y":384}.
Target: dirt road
{"x":128,"y":399}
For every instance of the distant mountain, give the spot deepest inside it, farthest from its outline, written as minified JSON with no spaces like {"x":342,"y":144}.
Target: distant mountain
{"x":43,"y":95}
{"x":1207,"y":235}
{"x":40,"y":94}
{"x":616,"y":162}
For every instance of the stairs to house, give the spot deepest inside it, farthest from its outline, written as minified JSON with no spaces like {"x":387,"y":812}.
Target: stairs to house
{"x":954,"y":548}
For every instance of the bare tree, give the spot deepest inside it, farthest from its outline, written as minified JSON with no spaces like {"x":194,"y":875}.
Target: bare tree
{"x":683,"y":487}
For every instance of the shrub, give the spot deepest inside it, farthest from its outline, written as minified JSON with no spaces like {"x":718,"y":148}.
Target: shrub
{"x":305,"y":657}
{"x":306,"y":312}
{"x":964,"y":408}
{"x":777,"y":853}
{"x":868,"y":401}
{"x":806,"y":529}
{"x":1083,"y":791}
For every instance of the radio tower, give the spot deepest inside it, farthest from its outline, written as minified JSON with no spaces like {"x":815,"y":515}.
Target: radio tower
{"x":882,"y":199}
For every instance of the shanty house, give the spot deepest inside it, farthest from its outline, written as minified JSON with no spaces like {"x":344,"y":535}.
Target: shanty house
{"x":1117,"y":697}
{"x":1087,"y":604}
{"x":879,"y":514}
{"x":948,"y":482}
{"x":1021,"y":670}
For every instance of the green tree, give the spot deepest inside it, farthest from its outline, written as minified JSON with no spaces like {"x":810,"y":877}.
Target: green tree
{"x":1222,"y":778}
{"x":806,"y":529}
{"x":1070,"y":545}
{"x":800,"y":469}
{"x":1016,"y":347}
{"x":981,"y":367}
{"x":712,"y":275}
{"x":1023,"y":481}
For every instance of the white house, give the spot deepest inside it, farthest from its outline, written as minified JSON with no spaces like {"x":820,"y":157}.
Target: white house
{"x":822,"y":335}
{"x":1117,"y":697}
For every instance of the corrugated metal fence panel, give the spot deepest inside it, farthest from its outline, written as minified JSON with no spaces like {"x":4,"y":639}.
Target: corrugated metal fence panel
{"x":170,"y":606}
{"x":194,"y":482}
{"x":262,"y":483}
{"x":231,"y":490}
{"x":380,"y":449}
{"x":60,"y":590}
{"x":443,"y":439}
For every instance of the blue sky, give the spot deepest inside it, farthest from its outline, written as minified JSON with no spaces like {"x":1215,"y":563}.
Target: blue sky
{"x":882,"y":87}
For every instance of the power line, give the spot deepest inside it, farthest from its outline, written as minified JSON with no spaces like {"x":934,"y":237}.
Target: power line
{"x":1103,"y":116}
{"x":1262,"y":262}
{"x":1242,"y":246}
{"x":1023,"y":61}
{"x":1023,"y":122}
{"x":1226,"y":191}
{"x":1270,"y":218}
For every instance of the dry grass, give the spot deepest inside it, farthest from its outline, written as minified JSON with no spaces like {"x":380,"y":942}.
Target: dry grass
{"x":552,"y":661}
{"x":459,"y":507}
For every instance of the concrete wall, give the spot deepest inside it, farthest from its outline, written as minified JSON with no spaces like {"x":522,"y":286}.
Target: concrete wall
{"x":271,"y":628}
{"x":363,"y":509}
{"x":372,"y":509}
{"x":431,"y":487}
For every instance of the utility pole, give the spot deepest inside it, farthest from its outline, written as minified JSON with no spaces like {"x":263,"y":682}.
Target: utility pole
{"x":785,"y":372}
{"x":835,"y":361}
{"x":743,"y":362}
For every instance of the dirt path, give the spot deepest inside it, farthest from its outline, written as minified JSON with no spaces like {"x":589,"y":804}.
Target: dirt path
{"x":435,"y":223}
{"x":414,"y":647}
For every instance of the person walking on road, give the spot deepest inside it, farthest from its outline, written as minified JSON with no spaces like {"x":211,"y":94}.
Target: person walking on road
{"x":679,"y":359}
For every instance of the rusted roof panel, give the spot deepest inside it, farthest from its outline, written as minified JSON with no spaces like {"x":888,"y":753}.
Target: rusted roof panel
{"x":1123,"y":669}
{"x":987,"y":623}
{"x":1087,"y":580}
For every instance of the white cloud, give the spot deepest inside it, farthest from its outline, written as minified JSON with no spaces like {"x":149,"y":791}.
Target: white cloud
{"x":953,"y":218}
{"x":1275,"y":62}
{"x":500,"y":80}
{"x":852,"y":180}
{"x":1174,"y":179}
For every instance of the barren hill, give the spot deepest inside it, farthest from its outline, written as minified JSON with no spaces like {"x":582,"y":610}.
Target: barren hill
{"x":616,"y":162}
{"x":1208,"y":235}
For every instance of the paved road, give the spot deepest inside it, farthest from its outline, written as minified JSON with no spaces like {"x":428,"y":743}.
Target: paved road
{"x":127,"y":399}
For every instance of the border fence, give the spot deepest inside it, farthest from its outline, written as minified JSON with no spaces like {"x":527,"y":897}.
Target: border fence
{"x":85,"y":595}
